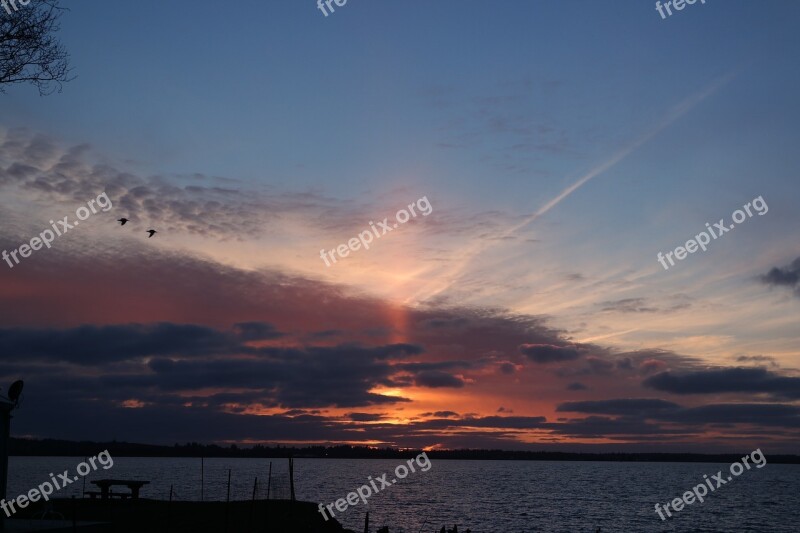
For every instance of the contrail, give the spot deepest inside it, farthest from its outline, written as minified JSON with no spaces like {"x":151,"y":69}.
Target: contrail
{"x":674,"y":114}
{"x":607,"y":336}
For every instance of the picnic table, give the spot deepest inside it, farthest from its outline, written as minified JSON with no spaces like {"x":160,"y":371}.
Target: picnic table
{"x":105,"y":487}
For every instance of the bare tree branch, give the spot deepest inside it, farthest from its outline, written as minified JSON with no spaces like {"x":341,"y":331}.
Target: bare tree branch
{"x":29,"y":51}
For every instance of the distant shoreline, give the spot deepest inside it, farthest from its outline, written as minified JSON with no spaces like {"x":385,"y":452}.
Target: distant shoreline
{"x":62,"y":448}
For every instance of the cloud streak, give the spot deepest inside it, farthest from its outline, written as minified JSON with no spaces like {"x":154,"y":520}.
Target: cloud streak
{"x":479,"y":247}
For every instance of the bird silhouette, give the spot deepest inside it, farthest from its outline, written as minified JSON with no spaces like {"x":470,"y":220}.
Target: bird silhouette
{"x":151,"y":232}
{"x":122,"y":221}
{"x":15,"y":390}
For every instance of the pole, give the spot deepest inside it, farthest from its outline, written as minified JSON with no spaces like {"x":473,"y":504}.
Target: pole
{"x":169,"y":508}
{"x":291,"y":477}
{"x":83,"y":494}
{"x":228,"y":501}
{"x":366,"y":523}
{"x":266,"y":506}
{"x":269,"y":479}
{"x":202,"y":478}
{"x":5,"y":434}
{"x":253,"y":504}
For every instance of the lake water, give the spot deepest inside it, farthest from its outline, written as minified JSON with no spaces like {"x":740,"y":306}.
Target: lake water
{"x":486,"y":496}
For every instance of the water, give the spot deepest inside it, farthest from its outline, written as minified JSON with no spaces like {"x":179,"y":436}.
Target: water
{"x":486,"y":496}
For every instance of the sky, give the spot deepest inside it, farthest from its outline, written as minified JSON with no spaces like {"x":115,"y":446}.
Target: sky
{"x":555,"y":155}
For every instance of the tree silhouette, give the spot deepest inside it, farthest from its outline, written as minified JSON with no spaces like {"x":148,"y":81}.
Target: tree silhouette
{"x":29,"y":52}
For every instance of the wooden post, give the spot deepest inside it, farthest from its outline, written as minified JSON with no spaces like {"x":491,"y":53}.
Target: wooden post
{"x":228,"y":501}
{"x":202,"y":478}
{"x":291,"y":477}
{"x":366,"y":523}
{"x":269,"y":479}
{"x":252,"y":504}
{"x":169,"y":508}
{"x":83,"y":492}
{"x":74,"y":517}
{"x":266,"y":506}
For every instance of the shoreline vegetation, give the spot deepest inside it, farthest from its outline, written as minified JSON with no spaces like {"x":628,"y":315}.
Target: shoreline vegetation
{"x":54,"y":447}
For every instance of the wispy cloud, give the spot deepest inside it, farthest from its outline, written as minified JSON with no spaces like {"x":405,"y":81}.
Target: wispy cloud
{"x":446,"y":280}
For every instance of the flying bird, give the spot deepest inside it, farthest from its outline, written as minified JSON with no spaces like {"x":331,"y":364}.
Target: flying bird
{"x":122,"y":221}
{"x":151,"y":232}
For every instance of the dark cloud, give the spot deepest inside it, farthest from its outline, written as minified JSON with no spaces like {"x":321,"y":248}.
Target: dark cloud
{"x":759,"y":414}
{"x":547,"y":353}
{"x":783,"y":277}
{"x":604,"y":427}
{"x":297,"y":412}
{"x":628,"y":305}
{"x":445,"y":323}
{"x":599,"y":365}
{"x":169,"y":423}
{"x":140,"y":374}
{"x":87,"y":345}
{"x":434,"y":366}
{"x":293,"y":377}
{"x":594,"y":366}
{"x":660,"y":418}
{"x":576,"y":386}
{"x":438,"y":379}
{"x":322,"y":335}
{"x":730,"y":380}
{"x":498,"y":422}
{"x":640,"y":305}
{"x":166,"y":424}
{"x":624,"y":407}
{"x":172,"y":417}
{"x":256,"y":331}
{"x":758,"y":359}
{"x":192,"y":358}
{"x":507,"y":367}
{"x":220,"y":358}
{"x":625,"y":363}
{"x":365,"y":417}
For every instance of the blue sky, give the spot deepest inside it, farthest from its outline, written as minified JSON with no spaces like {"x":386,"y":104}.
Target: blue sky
{"x":218,"y":90}
{"x":253,"y":134}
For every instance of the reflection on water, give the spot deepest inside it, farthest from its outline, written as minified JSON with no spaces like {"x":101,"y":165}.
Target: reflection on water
{"x":486,"y":496}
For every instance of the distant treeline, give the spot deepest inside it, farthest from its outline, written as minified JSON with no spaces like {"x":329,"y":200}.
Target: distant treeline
{"x":52,"y":447}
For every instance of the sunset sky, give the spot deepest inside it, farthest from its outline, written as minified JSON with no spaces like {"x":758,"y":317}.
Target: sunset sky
{"x":561,"y":147}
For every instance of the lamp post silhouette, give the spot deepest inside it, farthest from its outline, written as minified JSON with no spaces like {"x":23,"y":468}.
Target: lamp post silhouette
{"x":7,"y":404}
